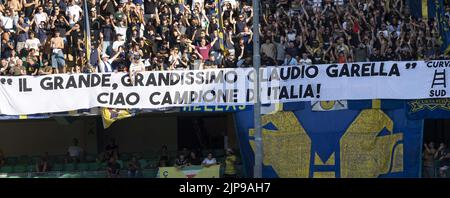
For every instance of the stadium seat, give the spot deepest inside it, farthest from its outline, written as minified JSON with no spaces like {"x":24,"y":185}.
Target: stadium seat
{"x":148,"y":155}
{"x":101,"y":166}
{"x":155,"y":163}
{"x":125,"y":157}
{"x":150,"y":173}
{"x":90,"y":158}
{"x":93,"y":166}
{"x":7,"y":169}
{"x":20,"y":169}
{"x":60,"y":159}
{"x":12,"y":160}
{"x":53,"y":159}
{"x":83,"y":167}
{"x":58,"y":167}
{"x":35,"y":159}
{"x":24,"y":159}
{"x":121,"y":163}
{"x":70,"y":167}
{"x":124,"y":165}
{"x":143,"y":163}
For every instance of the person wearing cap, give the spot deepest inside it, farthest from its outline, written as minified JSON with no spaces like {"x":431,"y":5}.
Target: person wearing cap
{"x":136,"y":66}
{"x":105,"y":62}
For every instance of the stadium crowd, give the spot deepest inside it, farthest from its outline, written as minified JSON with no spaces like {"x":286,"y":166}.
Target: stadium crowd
{"x":436,"y":161}
{"x":41,"y":37}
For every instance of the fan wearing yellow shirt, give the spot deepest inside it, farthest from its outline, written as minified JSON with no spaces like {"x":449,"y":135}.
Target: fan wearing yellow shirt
{"x":230,"y":168}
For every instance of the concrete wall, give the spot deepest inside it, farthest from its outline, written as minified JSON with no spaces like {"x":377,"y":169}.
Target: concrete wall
{"x":34,"y":137}
{"x":143,"y":134}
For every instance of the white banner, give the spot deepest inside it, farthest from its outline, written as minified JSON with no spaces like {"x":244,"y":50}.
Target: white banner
{"x":354,"y":81}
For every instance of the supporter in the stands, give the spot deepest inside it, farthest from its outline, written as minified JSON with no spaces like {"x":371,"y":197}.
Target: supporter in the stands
{"x":428,"y":157}
{"x":111,"y":149}
{"x":443,"y":157}
{"x":134,"y":168}
{"x":230,"y":164}
{"x":74,"y":152}
{"x":43,"y":164}
{"x":113,"y":169}
{"x":185,"y":151}
{"x":164,"y":154}
{"x":209,"y":160}
{"x":181,"y":161}
{"x":327,"y":31}
{"x":194,"y":160}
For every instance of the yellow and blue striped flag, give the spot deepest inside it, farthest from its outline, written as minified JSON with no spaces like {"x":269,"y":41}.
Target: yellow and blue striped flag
{"x":87,"y":32}
{"x":218,"y":11}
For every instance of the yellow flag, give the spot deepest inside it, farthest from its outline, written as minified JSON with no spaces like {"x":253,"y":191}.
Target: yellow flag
{"x":110,"y":115}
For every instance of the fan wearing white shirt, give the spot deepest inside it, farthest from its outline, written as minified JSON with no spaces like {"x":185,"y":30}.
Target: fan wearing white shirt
{"x":74,"y":10}
{"x":121,"y":28}
{"x":209,"y":161}
{"x":136,"y":66}
{"x":41,"y":16}
{"x":32,"y":43}
{"x":305,"y":60}
{"x":104,"y":62}
{"x":119,"y":42}
{"x":8,"y":21}
{"x":74,"y":152}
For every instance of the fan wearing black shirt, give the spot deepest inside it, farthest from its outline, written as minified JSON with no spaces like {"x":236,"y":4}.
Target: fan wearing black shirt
{"x":229,"y":61}
{"x":266,"y":60}
{"x":75,"y":41}
{"x":113,"y":168}
{"x":181,"y":161}
{"x":194,"y":160}
{"x":107,"y":7}
{"x":111,"y":148}
{"x":95,"y":23}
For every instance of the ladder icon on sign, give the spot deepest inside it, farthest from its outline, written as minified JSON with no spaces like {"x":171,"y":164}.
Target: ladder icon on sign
{"x":439,"y":79}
